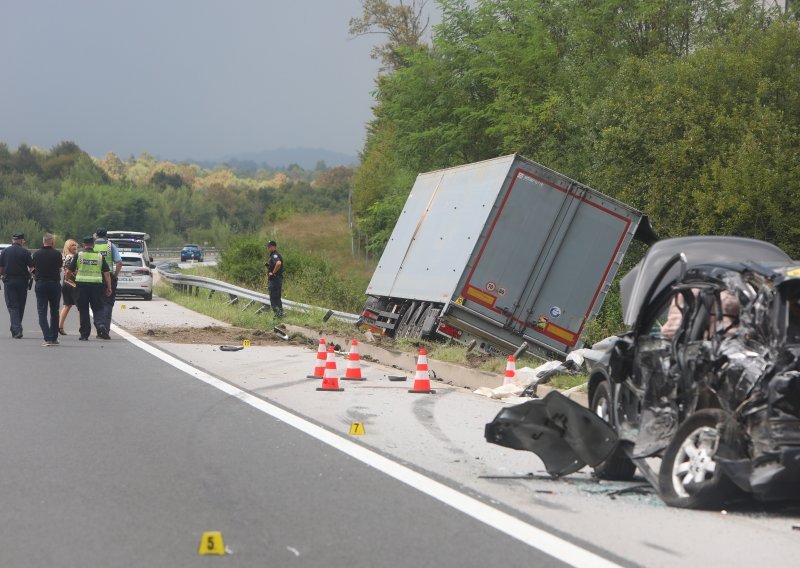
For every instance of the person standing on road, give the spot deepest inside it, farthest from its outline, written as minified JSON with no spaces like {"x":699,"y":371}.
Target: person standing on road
{"x":92,"y":276}
{"x":69,"y":294}
{"x":114,"y":259}
{"x":47,"y":263}
{"x":274,"y":266}
{"x":15,"y":264}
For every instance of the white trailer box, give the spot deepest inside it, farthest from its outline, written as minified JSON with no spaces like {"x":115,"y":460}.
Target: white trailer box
{"x":503,"y":251}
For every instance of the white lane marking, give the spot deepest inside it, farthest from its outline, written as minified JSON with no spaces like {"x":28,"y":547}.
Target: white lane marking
{"x":537,"y":538}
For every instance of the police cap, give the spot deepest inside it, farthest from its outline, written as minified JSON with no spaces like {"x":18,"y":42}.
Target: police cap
{"x":101,"y":232}
{"x":18,"y":236}
{"x":88,"y":240}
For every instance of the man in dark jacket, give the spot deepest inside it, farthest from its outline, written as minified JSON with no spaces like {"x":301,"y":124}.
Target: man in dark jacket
{"x":274,"y":266}
{"x":47,"y":264}
{"x":15,"y":263}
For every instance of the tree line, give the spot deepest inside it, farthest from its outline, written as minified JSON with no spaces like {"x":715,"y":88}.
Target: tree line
{"x":65,"y":191}
{"x":689,"y":110}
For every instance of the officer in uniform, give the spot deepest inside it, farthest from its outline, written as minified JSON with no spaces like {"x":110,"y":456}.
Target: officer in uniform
{"x":92,"y":277}
{"x":114,"y":259}
{"x":15,"y":264}
{"x":274,"y":266}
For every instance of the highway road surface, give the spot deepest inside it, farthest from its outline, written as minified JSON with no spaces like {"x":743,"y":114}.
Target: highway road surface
{"x":124,"y":452}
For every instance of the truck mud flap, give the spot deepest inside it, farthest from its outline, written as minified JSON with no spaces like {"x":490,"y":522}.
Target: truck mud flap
{"x":565,"y":435}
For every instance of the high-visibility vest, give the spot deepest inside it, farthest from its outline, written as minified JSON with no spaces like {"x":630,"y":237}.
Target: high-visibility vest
{"x":89,"y":268}
{"x":106,"y":250}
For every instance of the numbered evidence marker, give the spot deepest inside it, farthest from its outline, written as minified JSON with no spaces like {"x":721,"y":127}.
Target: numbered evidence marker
{"x":356,"y":429}
{"x":246,"y":343}
{"x":123,"y":306}
{"x":211,"y":543}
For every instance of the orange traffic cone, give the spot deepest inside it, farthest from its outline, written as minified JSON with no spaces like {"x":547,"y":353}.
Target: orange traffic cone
{"x":319,"y":369}
{"x":511,"y":371}
{"x":330,"y":381}
{"x":353,"y":371}
{"x":422,"y":382}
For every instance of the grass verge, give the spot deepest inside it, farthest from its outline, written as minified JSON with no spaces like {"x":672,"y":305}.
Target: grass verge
{"x":218,"y":306}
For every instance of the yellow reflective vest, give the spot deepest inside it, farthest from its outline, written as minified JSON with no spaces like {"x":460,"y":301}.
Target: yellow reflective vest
{"x":89,"y":268}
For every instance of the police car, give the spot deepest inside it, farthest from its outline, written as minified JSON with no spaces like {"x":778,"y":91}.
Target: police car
{"x":135,"y":278}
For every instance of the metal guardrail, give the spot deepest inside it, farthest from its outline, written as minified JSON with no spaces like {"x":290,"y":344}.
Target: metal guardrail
{"x":195,"y":283}
{"x":171,"y":252}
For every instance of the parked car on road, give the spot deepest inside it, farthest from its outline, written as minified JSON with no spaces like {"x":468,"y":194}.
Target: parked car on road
{"x":191,"y":252}
{"x":135,"y":278}
{"x":707,"y":379}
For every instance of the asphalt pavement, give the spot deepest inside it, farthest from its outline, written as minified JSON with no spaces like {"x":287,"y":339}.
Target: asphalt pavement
{"x":114,"y":457}
{"x":185,"y":438}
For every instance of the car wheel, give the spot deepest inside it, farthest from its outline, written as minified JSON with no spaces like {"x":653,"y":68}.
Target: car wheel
{"x":690,"y":477}
{"x":148,"y":296}
{"x":618,"y":466}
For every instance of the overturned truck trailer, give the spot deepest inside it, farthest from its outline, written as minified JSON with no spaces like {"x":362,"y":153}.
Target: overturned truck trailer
{"x":504,"y":252}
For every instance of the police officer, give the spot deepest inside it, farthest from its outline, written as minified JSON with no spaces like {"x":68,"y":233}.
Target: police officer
{"x":274,"y":266}
{"x":114,"y":259}
{"x":47,"y":264}
{"x":93,"y":279}
{"x":15,"y":264}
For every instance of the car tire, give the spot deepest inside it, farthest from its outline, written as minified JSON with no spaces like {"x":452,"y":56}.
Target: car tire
{"x":691,"y":454}
{"x":148,"y":296}
{"x":618,"y":466}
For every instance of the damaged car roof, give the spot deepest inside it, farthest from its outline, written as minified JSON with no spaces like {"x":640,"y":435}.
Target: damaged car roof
{"x":697,"y":250}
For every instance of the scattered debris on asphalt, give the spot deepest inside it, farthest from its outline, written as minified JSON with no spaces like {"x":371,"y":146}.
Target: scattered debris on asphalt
{"x":643,"y":489}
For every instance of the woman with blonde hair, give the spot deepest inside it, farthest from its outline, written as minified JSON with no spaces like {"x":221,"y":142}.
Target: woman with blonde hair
{"x":68,"y":291}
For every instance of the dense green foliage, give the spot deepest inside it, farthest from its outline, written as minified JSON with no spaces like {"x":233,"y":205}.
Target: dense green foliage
{"x":686,"y":109}
{"x":68,"y":192}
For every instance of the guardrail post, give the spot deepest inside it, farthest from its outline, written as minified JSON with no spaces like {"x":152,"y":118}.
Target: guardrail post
{"x":210,"y":293}
{"x":234,"y":299}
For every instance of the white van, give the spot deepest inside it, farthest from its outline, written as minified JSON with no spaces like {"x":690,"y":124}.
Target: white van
{"x":131,"y":241}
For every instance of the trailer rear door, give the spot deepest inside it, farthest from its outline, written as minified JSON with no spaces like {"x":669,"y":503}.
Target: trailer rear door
{"x":546,"y":261}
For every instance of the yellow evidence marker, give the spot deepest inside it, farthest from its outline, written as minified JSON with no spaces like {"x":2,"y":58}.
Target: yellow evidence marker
{"x":211,"y":543}
{"x":246,"y":343}
{"x":356,"y":429}
{"x":123,"y":306}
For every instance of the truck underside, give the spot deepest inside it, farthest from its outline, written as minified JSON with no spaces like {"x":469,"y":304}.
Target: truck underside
{"x":401,"y":318}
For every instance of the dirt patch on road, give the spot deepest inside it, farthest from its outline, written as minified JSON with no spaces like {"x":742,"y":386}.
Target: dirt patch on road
{"x":216,"y":335}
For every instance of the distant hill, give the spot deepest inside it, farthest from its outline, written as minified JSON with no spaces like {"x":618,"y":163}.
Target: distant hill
{"x":280,"y":158}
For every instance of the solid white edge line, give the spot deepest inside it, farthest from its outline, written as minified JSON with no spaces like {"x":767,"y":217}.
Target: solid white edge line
{"x":550,"y":544}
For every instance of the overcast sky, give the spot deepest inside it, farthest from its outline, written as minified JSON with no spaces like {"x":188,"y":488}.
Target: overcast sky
{"x":181,"y":79}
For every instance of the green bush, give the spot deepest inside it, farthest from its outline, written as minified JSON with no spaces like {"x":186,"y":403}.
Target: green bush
{"x":243,"y":261}
{"x":313,"y":280}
